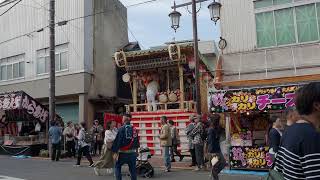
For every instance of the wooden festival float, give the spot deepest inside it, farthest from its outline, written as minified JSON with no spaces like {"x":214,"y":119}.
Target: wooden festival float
{"x":172,"y":68}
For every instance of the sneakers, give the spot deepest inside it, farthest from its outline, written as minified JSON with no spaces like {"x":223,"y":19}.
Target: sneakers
{"x":77,"y":165}
{"x":167,"y":170}
{"x":91,"y":165}
{"x":96,"y":171}
{"x":197,"y":169}
{"x":110,"y":171}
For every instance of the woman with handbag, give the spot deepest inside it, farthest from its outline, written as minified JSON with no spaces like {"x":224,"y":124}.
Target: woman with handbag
{"x":106,"y":159}
{"x":216,"y":157}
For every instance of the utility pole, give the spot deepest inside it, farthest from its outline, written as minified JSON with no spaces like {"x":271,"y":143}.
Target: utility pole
{"x":52,"y":71}
{"x":195,"y":55}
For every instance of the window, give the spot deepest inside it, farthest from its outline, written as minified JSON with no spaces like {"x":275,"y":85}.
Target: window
{"x":61,"y":60}
{"x":64,"y":60}
{"x":288,"y":25}
{"x":21,"y":69}
{"x":265,"y":34}
{"x":12,"y":68}
{"x":307,"y":23}
{"x":284,"y":26}
{"x":268,"y":3}
{"x":16,"y":70}
{"x":3,"y":72}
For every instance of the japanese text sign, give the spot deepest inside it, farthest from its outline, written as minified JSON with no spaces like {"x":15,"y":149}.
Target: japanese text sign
{"x":250,"y":158}
{"x":20,"y":100}
{"x":274,"y":98}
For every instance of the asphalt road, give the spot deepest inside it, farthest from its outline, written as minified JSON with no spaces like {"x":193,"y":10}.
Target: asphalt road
{"x":34,"y":169}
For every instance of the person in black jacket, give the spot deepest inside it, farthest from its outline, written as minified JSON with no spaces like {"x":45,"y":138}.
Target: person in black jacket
{"x":214,"y":149}
{"x":274,"y":135}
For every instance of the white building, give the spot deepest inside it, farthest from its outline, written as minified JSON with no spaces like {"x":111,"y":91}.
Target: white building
{"x":84,"y":48}
{"x":269,"y":39}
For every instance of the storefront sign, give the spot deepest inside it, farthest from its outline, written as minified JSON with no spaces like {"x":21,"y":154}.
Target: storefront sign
{"x":274,"y":98}
{"x":22,"y":101}
{"x":250,"y":158}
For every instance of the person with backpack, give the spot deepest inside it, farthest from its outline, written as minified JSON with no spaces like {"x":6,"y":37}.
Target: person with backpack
{"x":125,"y":148}
{"x":97,"y":130}
{"x":85,"y":138}
{"x":198,"y":142}
{"x":175,"y":142}
{"x":188,"y":131}
{"x":299,"y":153}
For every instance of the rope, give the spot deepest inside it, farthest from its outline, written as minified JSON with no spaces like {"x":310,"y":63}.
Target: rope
{"x":24,"y":150}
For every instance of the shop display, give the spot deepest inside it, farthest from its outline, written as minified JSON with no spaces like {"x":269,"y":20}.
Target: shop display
{"x":23,"y":122}
{"x":249,"y":111}
{"x":250,"y":157}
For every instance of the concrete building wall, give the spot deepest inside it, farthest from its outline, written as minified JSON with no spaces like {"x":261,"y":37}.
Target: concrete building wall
{"x":238,"y":25}
{"x":244,"y":61}
{"x":89,"y":42}
{"x":110,"y":32}
{"x":272,"y":63}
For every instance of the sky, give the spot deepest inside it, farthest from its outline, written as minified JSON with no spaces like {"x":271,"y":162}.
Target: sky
{"x":151,"y":26}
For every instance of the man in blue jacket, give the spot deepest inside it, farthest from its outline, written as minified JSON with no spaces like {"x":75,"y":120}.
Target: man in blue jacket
{"x":125,"y":148}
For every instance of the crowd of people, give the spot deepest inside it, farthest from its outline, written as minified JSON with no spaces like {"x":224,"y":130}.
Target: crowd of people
{"x":295,"y":148}
{"x":115,"y":147}
{"x":119,"y":146}
{"x":204,"y":143}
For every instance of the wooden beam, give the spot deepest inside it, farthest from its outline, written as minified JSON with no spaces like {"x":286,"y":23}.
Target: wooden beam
{"x":181,"y":87}
{"x":274,"y":81}
{"x":134,"y":93}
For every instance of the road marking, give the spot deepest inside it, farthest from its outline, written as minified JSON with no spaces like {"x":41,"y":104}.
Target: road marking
{"x":9,"y":178}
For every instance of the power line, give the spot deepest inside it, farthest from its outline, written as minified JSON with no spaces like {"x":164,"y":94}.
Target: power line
{"x":63,"y":23}
{"x":141,"y":3}
{"x":123,"y":19}
{"x":10,"y":8}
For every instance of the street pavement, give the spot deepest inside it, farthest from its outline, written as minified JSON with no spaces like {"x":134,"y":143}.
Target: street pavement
{"x":37,"y":169}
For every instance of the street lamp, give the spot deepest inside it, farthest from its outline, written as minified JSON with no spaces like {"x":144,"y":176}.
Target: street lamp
{"x":214,"y":9}
{"x":175,"y":18}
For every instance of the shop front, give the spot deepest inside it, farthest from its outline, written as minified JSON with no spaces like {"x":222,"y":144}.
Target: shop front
{"x":23,"y":124}
{"x":247,"y":113}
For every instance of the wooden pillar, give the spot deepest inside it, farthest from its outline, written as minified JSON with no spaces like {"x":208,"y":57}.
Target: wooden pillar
{"x":134,"y":92}
{"x":181,"y":87}
{"x":228,"y":136}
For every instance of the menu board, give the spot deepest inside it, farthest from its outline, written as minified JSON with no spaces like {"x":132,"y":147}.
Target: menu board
{"x":250,"y":157}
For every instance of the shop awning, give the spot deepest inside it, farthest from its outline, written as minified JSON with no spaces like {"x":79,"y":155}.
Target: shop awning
{"x":19,"y":106}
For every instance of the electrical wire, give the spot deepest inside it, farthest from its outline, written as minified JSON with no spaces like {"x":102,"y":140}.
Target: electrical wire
{"x":132,"y":34}
{"x":72,"y":19}
{"x":141,"y":3}
{"x":10,"y":8}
